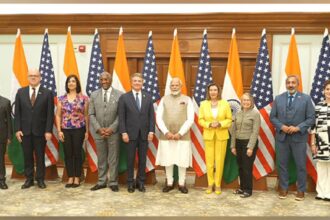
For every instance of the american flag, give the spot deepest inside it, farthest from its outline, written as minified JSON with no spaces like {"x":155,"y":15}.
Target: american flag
{"x":262,"y":91}
{"x":203,"y":79}
{"x":322,"y":74}
{"x":150,"y":86}
{"x":96,"y":67}
{"x":48,"y":81}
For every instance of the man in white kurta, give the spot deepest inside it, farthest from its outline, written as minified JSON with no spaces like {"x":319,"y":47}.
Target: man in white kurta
{"x":175,"y":116}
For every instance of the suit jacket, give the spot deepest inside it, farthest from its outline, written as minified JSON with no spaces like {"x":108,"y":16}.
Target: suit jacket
{"x":37,"y":119}
{"x":302,"y":115}
{"x":131,"y":120}
{"x":101,"y":114}
{"x":224,"y":117}
{"x":6,"y":129}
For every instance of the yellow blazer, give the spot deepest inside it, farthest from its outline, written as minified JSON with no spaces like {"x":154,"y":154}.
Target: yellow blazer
{"x":224,"y":117}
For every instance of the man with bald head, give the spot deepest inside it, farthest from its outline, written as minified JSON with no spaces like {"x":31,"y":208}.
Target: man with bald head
{"x":175,"y":116}
{"x":292,"y":115}
{"x":103,"y":114}
{"x":34,"y":117}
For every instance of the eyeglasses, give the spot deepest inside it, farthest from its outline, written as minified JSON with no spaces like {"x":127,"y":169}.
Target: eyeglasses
{"x":33,"y":76}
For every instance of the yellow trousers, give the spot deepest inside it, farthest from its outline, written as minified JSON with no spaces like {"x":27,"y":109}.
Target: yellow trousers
{"x":215,"y":153}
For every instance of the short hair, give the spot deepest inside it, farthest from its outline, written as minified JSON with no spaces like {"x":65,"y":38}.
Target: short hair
{"x":137,"y":75}
{"x":78,"y":89}
{"x":107,"y":74}
{"x":326,"y":83}
{"x":250,"y":98}
{"x":208,"y":97}
{"x":292,"y":76}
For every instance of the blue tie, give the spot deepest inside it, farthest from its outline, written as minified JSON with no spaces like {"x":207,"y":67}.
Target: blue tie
{"x":137,"y":100}
{"x":290,"y":100}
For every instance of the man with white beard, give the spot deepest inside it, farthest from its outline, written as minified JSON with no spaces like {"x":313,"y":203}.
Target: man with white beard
{"x":175,"y":116}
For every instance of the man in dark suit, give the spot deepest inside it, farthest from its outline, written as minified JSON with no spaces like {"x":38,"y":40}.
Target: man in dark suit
{"x":6,"y":133}
{"x":34,"y":115}
{"x":137,"y":127}
{"x":292,"y":115}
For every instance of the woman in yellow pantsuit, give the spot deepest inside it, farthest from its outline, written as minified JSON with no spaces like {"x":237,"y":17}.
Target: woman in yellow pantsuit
{"x":215,"y":117}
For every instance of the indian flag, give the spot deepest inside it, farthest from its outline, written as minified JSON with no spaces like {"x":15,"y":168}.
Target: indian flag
{"x":19,"y":79}
{"x":232,"y":91}
{"x":70,"y":63}
{"x":121,"y":81}
{"x":175,"y":68}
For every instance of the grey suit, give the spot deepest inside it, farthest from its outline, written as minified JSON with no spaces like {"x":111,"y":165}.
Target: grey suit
{"x":301,"y":114}
{"x":105,"y":115}
{"x":6,"y":132}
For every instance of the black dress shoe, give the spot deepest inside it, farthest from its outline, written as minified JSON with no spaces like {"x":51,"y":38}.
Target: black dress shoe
{"x":97,"y":187}
{"x":75,"y":185}
{"x":142,"y":188}
{"x":3,"y":185}
{"x":27,"y":184}
{"x":41,"y":184}
{"x":318,"y":198}
{"x":327,"y":199}
{"x":183,"y":189}
{"x":245,"y":195}
{"x":114,"y":188}
{"x":168,"y":188}
{"x":130,"y":189}
{"x":68,"y":185}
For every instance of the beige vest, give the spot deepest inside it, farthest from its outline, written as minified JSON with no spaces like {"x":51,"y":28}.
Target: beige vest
{"x":175,"y":114}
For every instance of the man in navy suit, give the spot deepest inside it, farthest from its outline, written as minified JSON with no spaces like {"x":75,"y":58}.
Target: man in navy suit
{"x":292,"y":115}
{"x":34,"y":116}
{"x":137,"y":127}
{"x":6,"y":133}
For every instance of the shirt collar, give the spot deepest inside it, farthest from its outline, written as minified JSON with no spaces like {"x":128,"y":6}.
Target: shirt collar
{"x":294,"y":94}
{"x":37,"y":88}
{"x":109,"y":90}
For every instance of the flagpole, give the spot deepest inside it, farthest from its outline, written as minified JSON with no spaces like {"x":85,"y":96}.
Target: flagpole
{"x":150,"y":34}
{"x":96,"y":31}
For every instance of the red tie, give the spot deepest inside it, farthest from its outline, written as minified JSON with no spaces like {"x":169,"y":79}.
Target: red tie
{"x":33,"y":97}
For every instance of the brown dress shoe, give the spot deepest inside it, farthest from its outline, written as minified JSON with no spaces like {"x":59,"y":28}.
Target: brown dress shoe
{"x":282,"y":194}
{"x":300,"y":196}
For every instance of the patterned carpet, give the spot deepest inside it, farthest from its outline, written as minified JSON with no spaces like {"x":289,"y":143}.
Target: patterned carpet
{"x":56,"y":200}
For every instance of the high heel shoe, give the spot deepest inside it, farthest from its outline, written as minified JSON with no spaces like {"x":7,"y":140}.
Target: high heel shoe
{"x":209,"y":190}
{"x":217,"y":190}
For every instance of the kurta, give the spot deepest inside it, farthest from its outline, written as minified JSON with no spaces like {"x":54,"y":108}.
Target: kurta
{"x":171,"y":152}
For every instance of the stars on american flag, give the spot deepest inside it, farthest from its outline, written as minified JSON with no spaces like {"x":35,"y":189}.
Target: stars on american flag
{"x":322,"y":72}
{"x":204,"y":74}
{"x":96,"y":66}
{"x":150,"y":76}
{"x":46,"y":67}
{"x":261,"y":87}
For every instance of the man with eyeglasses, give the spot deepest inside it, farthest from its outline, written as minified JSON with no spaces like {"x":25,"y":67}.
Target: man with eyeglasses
{"x":34,"y":115}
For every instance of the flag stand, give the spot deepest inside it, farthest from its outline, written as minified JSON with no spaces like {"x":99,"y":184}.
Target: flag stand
{"x":122,"y":178}
{"x":151,"y":177}
{"x":15,"y":175}
{"x":201,"y":182}
{"x":91,"y":177}
{"x":51,"y":173}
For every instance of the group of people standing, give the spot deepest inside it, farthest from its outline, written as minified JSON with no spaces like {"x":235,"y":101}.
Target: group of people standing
{"x":130,"y":117}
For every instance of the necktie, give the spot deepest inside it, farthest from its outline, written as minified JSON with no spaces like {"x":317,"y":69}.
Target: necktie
{"x":137,"y":100}
{"x":105,"y":97}
{"x":33,"y":96}
{"x":290,"y":100}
